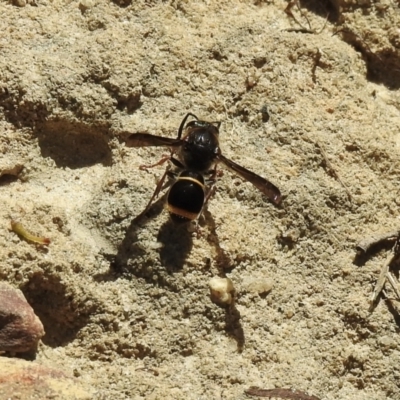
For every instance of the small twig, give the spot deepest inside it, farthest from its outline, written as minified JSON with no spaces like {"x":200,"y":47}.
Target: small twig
{"x":394,"y":284}
{"x":381,"y":282}
{"x":317,"y":59}
{"x":385,"y":274}
{"x":288,"y":11}
{"x":302,"y":29}
{"x":397,"y":246}
{"x":281,"y":393}
{"x":332,"y":170}
{"x":392,"y":308}
{"x":365,"y":244}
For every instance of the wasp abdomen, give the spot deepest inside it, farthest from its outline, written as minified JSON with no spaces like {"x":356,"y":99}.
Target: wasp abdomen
{"x":186,"y":197}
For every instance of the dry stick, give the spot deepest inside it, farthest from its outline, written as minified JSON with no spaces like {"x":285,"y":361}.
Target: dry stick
{"x":281,"y":393}
{"x":288,"y":11}
{"x":394,"y":284}
{"x":317,"y":59}
{"x":381,"y":281}
{"x":365,"y":244}
{"x":302,"y":29}
{"x":333,"y":171}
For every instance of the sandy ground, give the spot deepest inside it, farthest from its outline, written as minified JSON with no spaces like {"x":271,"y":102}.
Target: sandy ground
{"x":125,"y":303}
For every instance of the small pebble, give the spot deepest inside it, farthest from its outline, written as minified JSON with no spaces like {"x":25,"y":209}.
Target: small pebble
{"x":221,"y":290}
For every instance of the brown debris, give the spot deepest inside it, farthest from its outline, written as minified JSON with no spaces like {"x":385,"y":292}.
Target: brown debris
{"x":332,"y":170}
{"x":385,"y":274}
{"x":20,"y":328}
{"x":365,"y":244}
{"x":280,"y":393}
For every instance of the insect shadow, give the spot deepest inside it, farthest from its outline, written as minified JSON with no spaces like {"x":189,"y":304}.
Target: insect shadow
{"x":174,"y":242}
{"x":176,"y":245}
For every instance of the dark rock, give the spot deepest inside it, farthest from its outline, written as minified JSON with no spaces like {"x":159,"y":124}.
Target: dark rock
{"x":20,"y":328}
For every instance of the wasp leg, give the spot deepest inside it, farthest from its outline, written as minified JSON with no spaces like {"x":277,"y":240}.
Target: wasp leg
{"x":165,"y":158}
{"x":167,"y":173}
{"x":160,"y":186}
{"x":161,"y":162}
{"x":212,"y":179}
{"x":197,"y":228}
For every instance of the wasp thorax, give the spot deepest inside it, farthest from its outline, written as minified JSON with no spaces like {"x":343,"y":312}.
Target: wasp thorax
{"x":201,"y":146}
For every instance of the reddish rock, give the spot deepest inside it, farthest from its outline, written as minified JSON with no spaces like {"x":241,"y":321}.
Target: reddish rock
{"x":20,"y":328}
{"x":20,"y":379}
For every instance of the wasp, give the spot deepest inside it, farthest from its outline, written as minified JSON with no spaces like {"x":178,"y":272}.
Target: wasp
{"x":195,"y":154}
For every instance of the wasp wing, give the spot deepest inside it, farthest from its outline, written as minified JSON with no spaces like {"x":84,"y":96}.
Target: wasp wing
{"x":146,"y":139}
{"x":266,"y":187}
